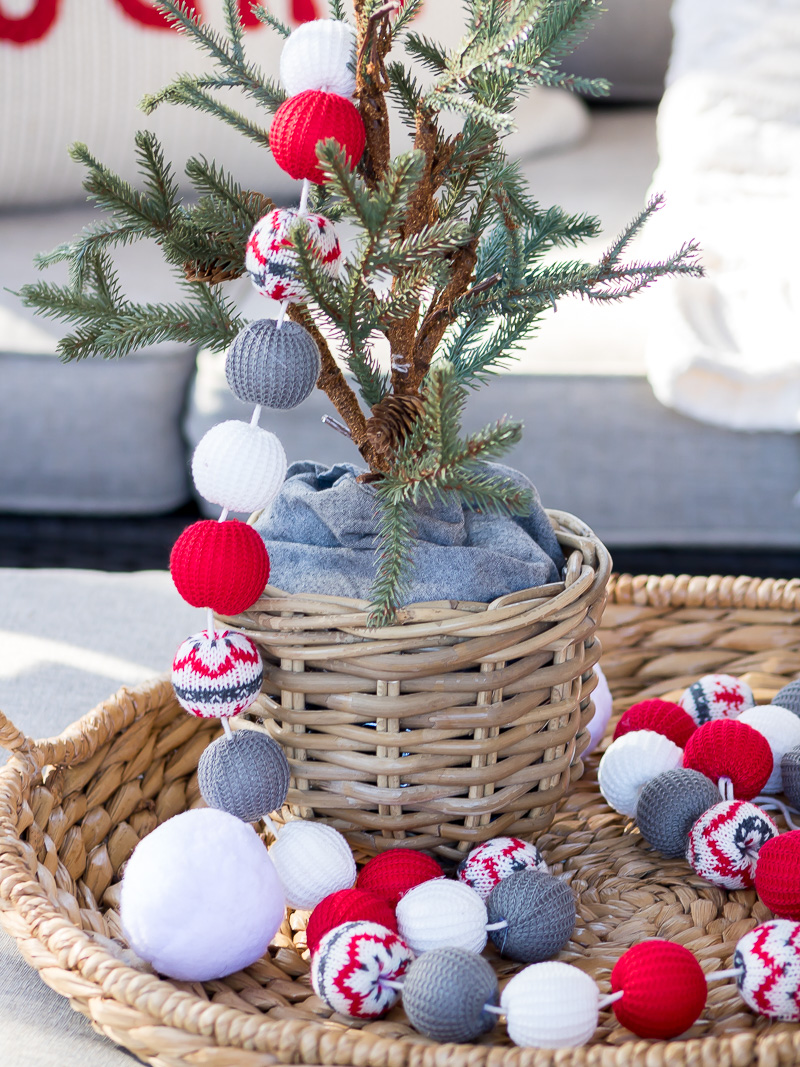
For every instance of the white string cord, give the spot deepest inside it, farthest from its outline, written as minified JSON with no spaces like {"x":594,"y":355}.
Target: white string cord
{"x":773,"y":804}
{"x":256,"y":415}
{"x":717,"y":976}
{"x":226,"y":726}
{"x":606,"y":1002}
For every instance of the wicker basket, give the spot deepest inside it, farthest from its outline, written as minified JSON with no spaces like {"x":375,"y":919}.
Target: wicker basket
{"x":461,"y":722}
{"x":72,"y":808}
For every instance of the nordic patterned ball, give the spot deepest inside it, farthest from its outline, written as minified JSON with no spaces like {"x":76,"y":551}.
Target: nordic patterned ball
{"x":445,"y":993}
{"x":630,"y":762}
{"x":216,"y":675}
{"x":442,"y":914}
{"x":725,"y":841}
{"x":312,"y":860}
{"x":220,"y":565}
{"x":271,"y":259}
{"x":550,"y":1005}
{"x":669,"y":805}
{"x":729,"y":748}
{"x":246,"y":775}
{"x":276,"y":368}
{"x":489,"y":863}
{"x":319,"y":55}
{"x":603,"y":707}
{"x":662,"y":716}
{"x":392,"y":873}
{"x":789,"y":697}
{"x":782,"y":731}
{"x":717,"y":696}
{"x":664,"y":989}
{"x":539,"y":910}
{"x":347,"y":906}
{"x":769,"y":960}
{"x":302,"y":121}
{"x":790,"y":772}
{"x":239,"y":466}
{"x":778,"y":875}
{"x":352,"y":965}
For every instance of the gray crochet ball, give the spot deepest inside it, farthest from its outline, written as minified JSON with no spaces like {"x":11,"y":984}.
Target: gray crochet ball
{"x":444,"y":993}
{"x":790,"y":771}
{"x":540,"y":911}
{"x":246,"y":775}
{"x":670,"y":804}
{"x":789,"y":697}
{"x":276,"y":368}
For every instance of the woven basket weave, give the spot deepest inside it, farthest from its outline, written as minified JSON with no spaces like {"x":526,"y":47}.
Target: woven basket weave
{"x":72,"y":809}
{"x":460,"y":722}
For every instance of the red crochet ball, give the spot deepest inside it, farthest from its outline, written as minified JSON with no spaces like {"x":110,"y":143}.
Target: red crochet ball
{"x":220,"y":565}
{"x":302,"y":121}
{"x":393,"y":873}
{"x":778,"y":875}
{"x":664,"y":989}
{"x":727,"y":748}
{"x":345,"y":906}
{"x":661,"y":716}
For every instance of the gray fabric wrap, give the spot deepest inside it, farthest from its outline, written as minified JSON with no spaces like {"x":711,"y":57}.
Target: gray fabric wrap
{"x":276,"y":368}
{"x":246,"y":775}
{"x":670,"y":804}
{"x":789,"y":697}
{"x":790,"y":771}
{"x":540,"y":911}
{"x":321,"y":534}
{"x":444,"y":993}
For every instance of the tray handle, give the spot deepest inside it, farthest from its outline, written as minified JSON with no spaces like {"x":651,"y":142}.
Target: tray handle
{"x":12,"y":739}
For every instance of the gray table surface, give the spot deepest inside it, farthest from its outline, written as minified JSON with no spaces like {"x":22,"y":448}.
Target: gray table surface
{"x":68,"y":640}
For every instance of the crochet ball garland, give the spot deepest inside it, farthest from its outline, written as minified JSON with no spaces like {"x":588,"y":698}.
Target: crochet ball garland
{"x":221,"y":565}
{"x":320,"y":55}
{"x":246,"y":774}
{"x":302,"y":121}
{"x":344,"y":906}
{"x":239,"y":466}
{"x":271,"y":257}
{"x":392,"y":873}
{"x":489,"y":863}
{"x":216,"y":674}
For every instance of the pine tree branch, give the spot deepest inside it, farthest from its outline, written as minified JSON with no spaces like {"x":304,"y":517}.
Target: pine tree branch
{"x":268,"y":19}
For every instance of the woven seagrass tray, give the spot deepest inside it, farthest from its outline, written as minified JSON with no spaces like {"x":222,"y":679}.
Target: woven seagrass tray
{"x":72,"y":809}
{"x":460,"y":722}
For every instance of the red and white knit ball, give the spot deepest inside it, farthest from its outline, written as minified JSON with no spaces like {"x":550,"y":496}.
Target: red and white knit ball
{"x":239,"y":466}
{"x":494,"y":860}
{"x":725,"y":841}
{"x":664,"y":989}
{"x":302,"y":121}
{"x":320,"y":55}
{"x":630,"y":762}
{"x":769,"y":960}
{"x":717,"y":696}
{"x":271,"y":260}
{"x":352,"y":965}
{"x":216,"y":675}
{"x":781,"y":728}
{"x":662,"y":716}
{"x":728,"y":748}
{"x":778,"y":875}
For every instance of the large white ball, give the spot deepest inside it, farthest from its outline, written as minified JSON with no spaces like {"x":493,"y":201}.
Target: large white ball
{"x":550,"y":1005}
{"x":318,"y":55}
{"x":781,"y":728}
{"x":442,"y":913}
{"x":239,"y":466}
{"x":200,"y":897}
{"x":312,"y":860}
{"x":630,"y":762}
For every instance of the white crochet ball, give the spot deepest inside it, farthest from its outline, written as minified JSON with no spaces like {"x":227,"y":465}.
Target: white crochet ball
{"x":781,"y":728}
{"x":188,"y":892}
{"x":442,"y":914}
{"x":717,"y":696}
{"x":312,"y":860}
{"x":630,"y":762}
{"x":602,"y":700}
{"x":239,"y":466}
{"x":318,"y":55}
{"x":550,"y":1005}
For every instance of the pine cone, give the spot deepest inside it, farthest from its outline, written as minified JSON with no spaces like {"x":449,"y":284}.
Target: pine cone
{"x":213,"y":273}
{"x":392,"y":421}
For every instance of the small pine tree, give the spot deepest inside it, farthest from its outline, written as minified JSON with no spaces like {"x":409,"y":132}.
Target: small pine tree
{"x":449,"y":265}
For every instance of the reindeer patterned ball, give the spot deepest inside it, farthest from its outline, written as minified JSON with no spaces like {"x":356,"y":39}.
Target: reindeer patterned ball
{"x":352,"y":965}
{"x":725,"y":841}
{"x":494,"y":860}
{"x":717,"y":696}
{"x":271,"y":260}
{"x":769,"y":961}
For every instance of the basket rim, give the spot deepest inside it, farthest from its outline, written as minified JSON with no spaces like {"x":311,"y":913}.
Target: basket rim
{"x":77,"y":962}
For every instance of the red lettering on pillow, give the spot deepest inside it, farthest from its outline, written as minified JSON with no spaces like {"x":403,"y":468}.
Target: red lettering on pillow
{"x":30,"y":27}
{"x":304,"y":10}
{"x":144,"y":13}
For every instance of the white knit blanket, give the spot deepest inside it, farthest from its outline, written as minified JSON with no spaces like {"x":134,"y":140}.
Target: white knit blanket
{"x":726,"y":349}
